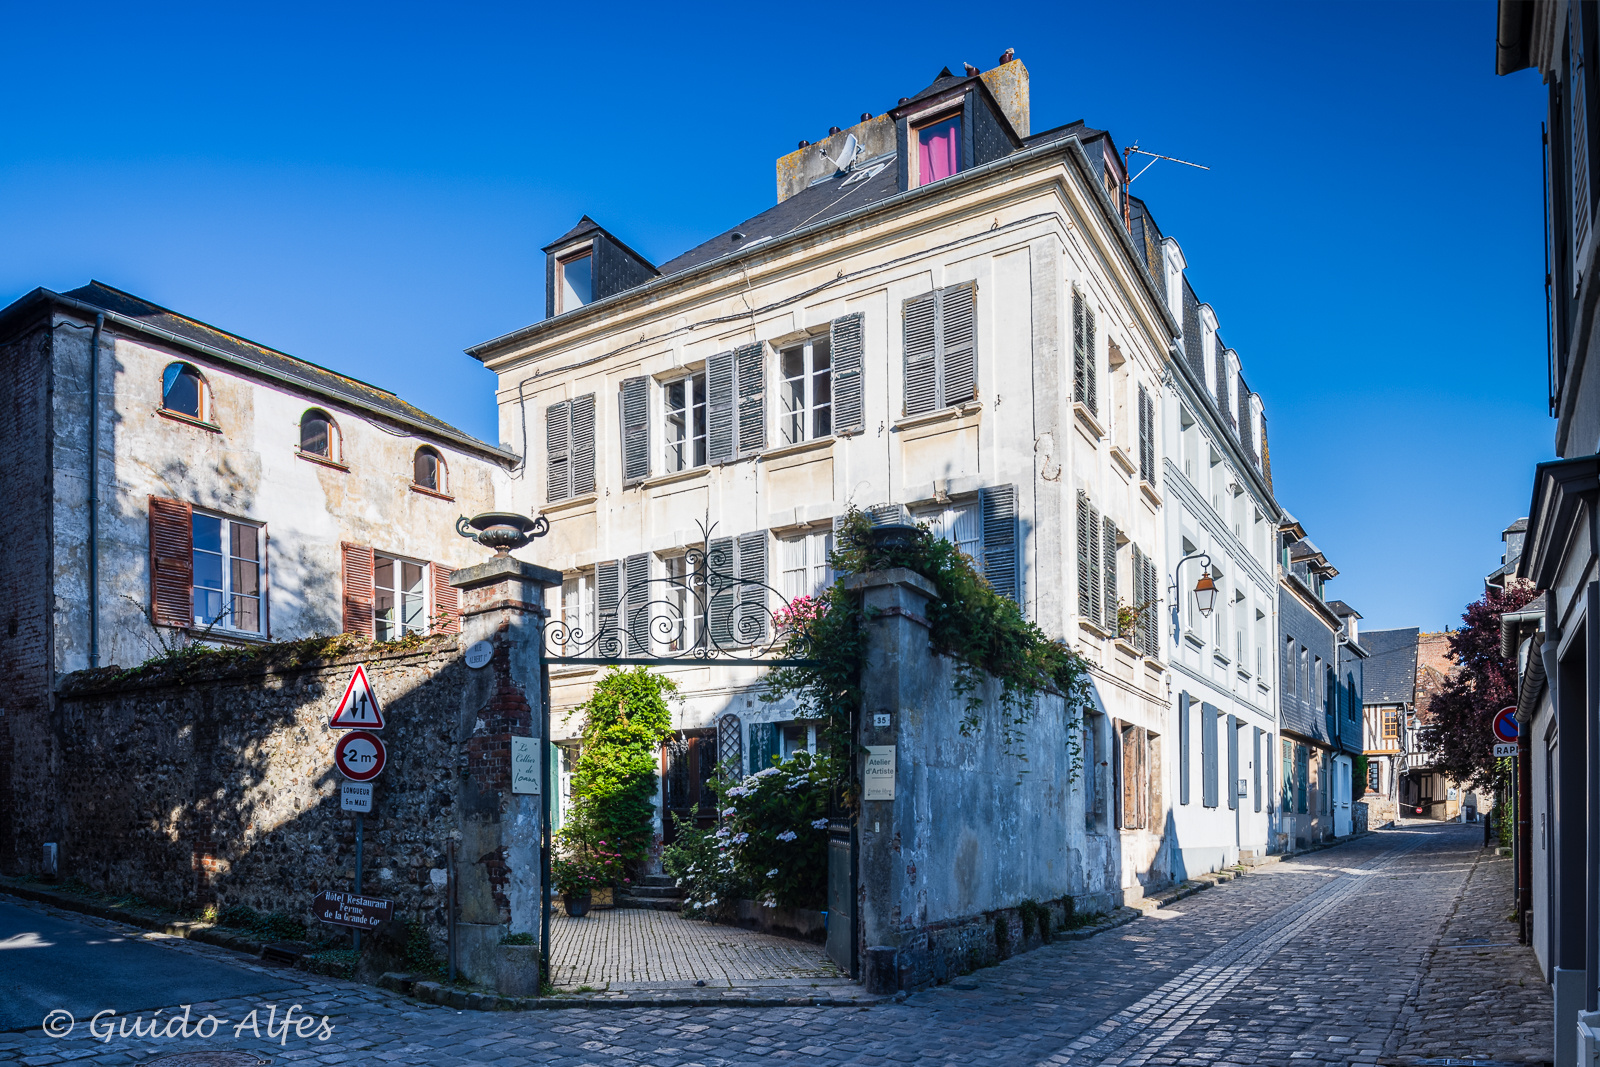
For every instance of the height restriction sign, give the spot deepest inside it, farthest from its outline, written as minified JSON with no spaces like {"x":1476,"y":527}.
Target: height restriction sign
{"x":360,"y":756}
{"x":359,"y":709}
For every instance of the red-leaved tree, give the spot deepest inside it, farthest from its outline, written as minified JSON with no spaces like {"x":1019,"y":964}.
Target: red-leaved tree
{"x":1456,"y":729}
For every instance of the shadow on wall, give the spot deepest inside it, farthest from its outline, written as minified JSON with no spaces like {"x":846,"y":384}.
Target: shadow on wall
{"x":218,"y":786}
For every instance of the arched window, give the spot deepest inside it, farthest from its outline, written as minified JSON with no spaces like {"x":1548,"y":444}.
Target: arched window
{"x":427,"y":470}
{"x":183,"y":391}
{"x":318,"y":435}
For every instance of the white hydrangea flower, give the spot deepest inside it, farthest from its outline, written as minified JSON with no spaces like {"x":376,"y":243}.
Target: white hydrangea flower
{"x":740,"y":839}
{"x":787,"y":835}
{"x":773,"y":873}
{"x":819,"y":824}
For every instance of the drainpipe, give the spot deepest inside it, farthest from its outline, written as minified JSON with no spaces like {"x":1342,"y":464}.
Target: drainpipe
{"x":94,"y":491}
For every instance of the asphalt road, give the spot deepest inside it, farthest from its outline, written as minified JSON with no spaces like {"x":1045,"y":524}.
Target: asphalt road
{"x":48,"y":961}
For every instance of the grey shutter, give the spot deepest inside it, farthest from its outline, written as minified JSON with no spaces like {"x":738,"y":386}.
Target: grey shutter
{"x":1080,"y":360}
{"x":1271,"y":753}
{"x":636,"y":575}
{"x":719,"y":408}
{"x":1108,"y":555}
{"x":1578,"y":108}
{"x":1184,"y":709}
{"x":558,"y":451}
{"x":1145,"y":450}
{"x":1092,"y":363}
{"x":754,"y":613}
{"x":848,"y":353}
{"x":998,"y":506}
{"x":724,"y":569}
{"x":607,"y":591}
{"x":1208,"y":755}
{"x":921,"y":363}
{"x":1224,"y":402}
{"x":1152,"y":598}
{"x":958,"y":363}
{"x":763,"y":745}
{"x":635,"y":403}
{"x":1233,"y":762}
{"x":1255,"y":765}
{"x":583,"y":445}
{"x":1085,"y":608}
{"x":1095,"y":604}
{"x":885,"y":514}
{"x":1136,"y":594}
{"x":750,"y":369}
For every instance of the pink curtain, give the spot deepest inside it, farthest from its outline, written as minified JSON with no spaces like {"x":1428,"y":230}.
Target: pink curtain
{"x":938,"y":150}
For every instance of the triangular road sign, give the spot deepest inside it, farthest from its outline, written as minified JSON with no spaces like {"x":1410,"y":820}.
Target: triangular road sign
{"x":359,"y":709}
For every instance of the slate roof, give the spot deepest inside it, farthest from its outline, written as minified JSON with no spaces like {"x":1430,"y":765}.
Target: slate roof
{"x":1390,"y":675}
{"x":274,"y":364}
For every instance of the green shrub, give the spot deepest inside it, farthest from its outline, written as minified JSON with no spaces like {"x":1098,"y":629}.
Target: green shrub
{"x":776,"y":825}
{"x":420,"y":957}
{"x":614,"y":781}
{"x":518,"y":939}
{"x":700,"y":862}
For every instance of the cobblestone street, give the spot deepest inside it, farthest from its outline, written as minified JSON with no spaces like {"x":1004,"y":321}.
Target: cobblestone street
{"x":1392,"y":949}
{"x":631,"y":948}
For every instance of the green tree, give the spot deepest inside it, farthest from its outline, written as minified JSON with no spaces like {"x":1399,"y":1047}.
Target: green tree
{"x":614,"y":783}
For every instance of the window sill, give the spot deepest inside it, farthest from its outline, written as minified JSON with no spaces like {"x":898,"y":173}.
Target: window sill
{"x":232,"y":637}
{"x":1093,"y":627}
{"x":1087,"y":421}
{"x":570,"y":503}
{"x":312,"y":457}
{"x":188,"y":420}
{"x":817,"y":444}
{"x":928,"y":418}
{"x":1194,"y":639}
{"x":1150,"y":494}
{"x":425,"y":491}
{"x":1123,"y":459}
{"x":676,"y":476}
{"x":1127,"y":649}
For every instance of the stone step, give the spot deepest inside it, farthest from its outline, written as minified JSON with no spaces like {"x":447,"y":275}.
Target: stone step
{"x":659,"y":892}
{"x":657,"y":879}
{"x":627,"y":900}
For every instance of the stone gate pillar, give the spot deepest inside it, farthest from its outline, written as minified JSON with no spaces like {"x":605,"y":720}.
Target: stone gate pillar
{"x":499,"y":831}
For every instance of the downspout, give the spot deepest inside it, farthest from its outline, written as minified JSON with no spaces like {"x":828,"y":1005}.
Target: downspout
{"x":94,"y":491}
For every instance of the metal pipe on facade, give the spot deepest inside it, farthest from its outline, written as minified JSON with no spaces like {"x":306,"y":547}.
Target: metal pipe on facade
{"x":94,"y":491}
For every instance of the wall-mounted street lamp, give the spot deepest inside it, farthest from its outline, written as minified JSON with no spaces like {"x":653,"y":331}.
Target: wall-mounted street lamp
{"x":1205,"y":591}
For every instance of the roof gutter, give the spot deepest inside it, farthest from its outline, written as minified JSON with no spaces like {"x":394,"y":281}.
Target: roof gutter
{"x":455,"y":437}
{"x":1069,"y":147}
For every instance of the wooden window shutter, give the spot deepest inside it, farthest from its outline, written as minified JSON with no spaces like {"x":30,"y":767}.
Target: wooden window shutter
{"x":1108,"y":554}
{"x":958,"y":362}
{"x":998,"y":508}
{"x":558,"y":451}
{"x":719,"y":408}
{"x":357,"y":588}
{"x":1152,"y":600}
{"x":583,"y":445}
{"x":1096,"y":604}
{"x":1085,"y":608}
{"x":750,"y":366}
{"x":849,"y":355}
{"x":1232,"y":783}
{"x":607,"y":592}
{"x":635,"y":405}
{"x":636,"y":577}
{"x":723,"y":565}
{"x":171,"y":562}
{"x":1208,"y":755}
{"x":921,"y":355}
{"x":1255,"y":764}
{"x":1578,"y":108}
{"x":446,"y":601}
{"x":1145,"y":449}
{"x":1091,"y":375}
{"x":753,"y":609}
{"x":1184,"y":746}
{"x":1080,"y":361}
{"x":886,"y":514}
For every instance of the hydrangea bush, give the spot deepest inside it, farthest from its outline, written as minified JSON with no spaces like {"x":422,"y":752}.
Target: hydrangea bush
{"x":770,"y":844}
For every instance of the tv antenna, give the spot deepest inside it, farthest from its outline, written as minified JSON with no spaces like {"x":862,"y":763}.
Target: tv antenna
{"x":847,"y":153}
{"x":1126,"y":152}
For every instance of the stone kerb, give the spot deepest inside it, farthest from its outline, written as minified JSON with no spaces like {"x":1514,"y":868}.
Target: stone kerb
{"x":975,"y":849}
{"x":499,"y":834}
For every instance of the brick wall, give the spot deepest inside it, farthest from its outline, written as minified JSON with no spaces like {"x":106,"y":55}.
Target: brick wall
{"x":25,"y":530}
{"x":215,"y":782}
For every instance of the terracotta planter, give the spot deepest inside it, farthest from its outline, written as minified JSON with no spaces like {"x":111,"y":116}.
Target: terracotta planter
{"x":576,"y":904}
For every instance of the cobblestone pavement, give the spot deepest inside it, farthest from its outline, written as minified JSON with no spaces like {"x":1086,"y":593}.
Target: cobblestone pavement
{"x":628,"y":947}
{"x":1387,"y":950}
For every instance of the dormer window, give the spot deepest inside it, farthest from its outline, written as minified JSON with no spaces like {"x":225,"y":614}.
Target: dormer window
{"x":576,"y":281}
{"x":938,"y":152}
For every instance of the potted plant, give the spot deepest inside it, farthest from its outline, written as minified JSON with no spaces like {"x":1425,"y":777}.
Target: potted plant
{"x":575,"y":879}
{"x":585,"y":872}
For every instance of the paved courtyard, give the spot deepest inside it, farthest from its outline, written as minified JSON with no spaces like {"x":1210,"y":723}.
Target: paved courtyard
{"x":1388,"y":950}
{"x":628,"y":948}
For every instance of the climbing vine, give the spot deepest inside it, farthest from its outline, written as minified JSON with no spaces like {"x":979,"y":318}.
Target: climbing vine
{"x":983,"y":632}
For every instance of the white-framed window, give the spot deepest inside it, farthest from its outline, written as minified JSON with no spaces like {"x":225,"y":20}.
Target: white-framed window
{"x":936,"y":150}
{"x":1291,"y":671}
{"x":575,"y":281}
{"x":577,"y":607}
{"x":960,"y":523}
{"x":227,"y":573}
{"x":803,"y":560}
{"x":399,"y":597}
{"x":1261,"y":645}
{"x":806,"y":395}
{"x":684,"y":606}
{"x":684,"y":408}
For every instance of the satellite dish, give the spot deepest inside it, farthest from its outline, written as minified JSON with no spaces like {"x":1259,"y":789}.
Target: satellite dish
{"x":847,"y":154}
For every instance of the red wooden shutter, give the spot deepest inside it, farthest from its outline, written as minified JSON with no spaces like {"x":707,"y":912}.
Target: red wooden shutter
{"x":357,"y":589}
{"x":171,"y":562}
{"x":446,"y":601}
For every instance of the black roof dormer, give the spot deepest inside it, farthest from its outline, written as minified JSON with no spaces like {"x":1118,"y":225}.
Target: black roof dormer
{"x":614,"y":267}
{"x":986,"y":133}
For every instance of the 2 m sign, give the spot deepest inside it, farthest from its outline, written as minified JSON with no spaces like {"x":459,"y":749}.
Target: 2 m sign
{"x":360,"y":756}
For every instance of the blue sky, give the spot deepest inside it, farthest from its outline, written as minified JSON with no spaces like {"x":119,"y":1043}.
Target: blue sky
{"x":368,"y":188}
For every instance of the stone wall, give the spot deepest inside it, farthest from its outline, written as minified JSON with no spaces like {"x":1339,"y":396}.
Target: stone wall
{"x":212,"y":780}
